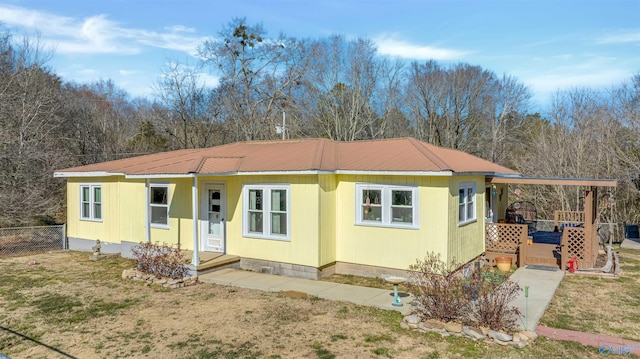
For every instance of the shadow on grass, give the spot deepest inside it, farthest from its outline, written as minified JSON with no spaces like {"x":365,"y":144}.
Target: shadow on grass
{"x":38,"y":342}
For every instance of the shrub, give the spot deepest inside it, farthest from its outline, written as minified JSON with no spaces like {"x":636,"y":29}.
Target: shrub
{"x":442,"y":292}
{"x":438,"y":289}
{"x":159,"y":260}
{"x":492,"y":308}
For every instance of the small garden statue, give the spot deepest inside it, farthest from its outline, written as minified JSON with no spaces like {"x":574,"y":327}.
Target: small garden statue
{"x":96,"y":251}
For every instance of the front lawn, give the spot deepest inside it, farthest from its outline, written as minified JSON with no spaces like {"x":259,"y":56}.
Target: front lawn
{"x":84,"y":309}
{"x":600,"y":305}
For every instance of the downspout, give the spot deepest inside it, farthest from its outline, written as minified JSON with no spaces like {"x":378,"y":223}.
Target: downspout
{"x":146,"y":212}
{"x":194,"y":214}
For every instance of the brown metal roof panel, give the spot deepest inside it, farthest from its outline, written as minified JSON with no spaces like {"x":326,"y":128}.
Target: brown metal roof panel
{"x":384,"y":155}
{"x":459,"y":161}
{"x":219,"y":165}
{"x":278,"y":156}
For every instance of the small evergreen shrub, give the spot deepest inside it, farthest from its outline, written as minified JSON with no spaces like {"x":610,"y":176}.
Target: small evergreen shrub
{"x":159,"y":260}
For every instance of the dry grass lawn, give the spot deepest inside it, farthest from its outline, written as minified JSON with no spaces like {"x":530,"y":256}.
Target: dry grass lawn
{"x":68,"y":306}
{"x":600,"y":305}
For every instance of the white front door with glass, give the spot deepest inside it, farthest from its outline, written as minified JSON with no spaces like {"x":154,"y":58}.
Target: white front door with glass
{"x":213,"y":218}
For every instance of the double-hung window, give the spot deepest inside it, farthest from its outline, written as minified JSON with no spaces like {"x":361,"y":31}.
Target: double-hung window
{"x":266,"y":211}
{"x":91,"y":202}
{"x":159,"y":205}
{"x":466,"y":203}
{"x":386,"y":205}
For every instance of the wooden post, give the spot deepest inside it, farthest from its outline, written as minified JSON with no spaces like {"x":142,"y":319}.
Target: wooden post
{"x":591,"y":225}
{"x":523,"y":245}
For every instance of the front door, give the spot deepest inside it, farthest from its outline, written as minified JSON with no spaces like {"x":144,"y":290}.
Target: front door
{"x":213,"y":218}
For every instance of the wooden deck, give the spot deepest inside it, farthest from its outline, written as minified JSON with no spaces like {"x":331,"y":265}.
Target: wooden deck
{"x":542,"y":254}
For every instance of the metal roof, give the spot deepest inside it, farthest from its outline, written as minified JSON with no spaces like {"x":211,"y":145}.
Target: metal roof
{"x":389,"y":156}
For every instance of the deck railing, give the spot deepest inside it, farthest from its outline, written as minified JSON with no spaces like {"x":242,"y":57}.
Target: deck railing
{"x":506,"y":240}
{"x":576,"y":240}
{"x":564,"y":217}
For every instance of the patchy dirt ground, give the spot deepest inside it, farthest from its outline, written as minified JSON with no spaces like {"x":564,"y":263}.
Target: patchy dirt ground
{"x":68,"y":306}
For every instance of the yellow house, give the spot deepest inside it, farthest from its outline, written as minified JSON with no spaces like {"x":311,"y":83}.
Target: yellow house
{"x":305,"y":208}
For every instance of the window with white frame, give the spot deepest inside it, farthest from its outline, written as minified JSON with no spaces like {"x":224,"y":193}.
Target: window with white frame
{"x":386,"y":205}
{"x":466,"y":203}
{"x":91,"y":202}
{"x":159,"y":205}
{"x":266,"y":211}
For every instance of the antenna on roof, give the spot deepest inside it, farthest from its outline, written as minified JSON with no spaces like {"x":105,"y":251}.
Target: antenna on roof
{"x":282,"y":128}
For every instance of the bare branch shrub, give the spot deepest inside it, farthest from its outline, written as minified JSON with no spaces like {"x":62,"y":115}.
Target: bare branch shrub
{"x":492,"y":308}
{"x":442,"y":292}
{"x":438,"y":289}
{"x":159,"y":260}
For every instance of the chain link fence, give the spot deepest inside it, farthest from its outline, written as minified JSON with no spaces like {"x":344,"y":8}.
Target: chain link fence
{"x":22,"y":241}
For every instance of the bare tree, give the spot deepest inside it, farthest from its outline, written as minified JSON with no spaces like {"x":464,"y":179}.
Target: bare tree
{"x":257,"y":76}
{"x":340,"y":89}
{"x":29,"y":130}
{"x":190,"y":119}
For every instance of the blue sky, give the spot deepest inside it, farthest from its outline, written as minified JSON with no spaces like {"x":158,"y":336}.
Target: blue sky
{"x":548,"y":45}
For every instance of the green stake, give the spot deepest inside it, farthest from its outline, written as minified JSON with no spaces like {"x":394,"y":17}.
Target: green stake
{"x":526,"y":300}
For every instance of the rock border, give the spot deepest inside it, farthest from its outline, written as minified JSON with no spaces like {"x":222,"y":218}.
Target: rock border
{"x":518,"y":340}
{"x":149,"y":279}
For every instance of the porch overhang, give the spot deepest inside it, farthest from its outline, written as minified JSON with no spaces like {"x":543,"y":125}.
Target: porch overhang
{"x":589,"y":182}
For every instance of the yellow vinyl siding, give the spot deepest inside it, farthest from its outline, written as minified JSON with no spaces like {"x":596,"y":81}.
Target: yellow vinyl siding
{"x":466,"y":241}
{"x":391,"y":247}
{"x":303,"y":246}
{"x":92,"y":230}
{"x":327,"y":219}
{"x":322,"y":217}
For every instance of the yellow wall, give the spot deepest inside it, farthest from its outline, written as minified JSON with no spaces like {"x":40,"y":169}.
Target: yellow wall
{"x":124,"y":212}
{"x":327,"y":225}
{"x":392,"y":247}
{"x":105,"y":230}
{"x":303,"y":246}
{"x":466,"y":241}
{"x":322,"y":219}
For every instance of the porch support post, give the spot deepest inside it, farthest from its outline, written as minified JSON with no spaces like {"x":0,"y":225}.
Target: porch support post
{"x":146,"y":212}
{"x":589,"y":221}
{"x":195,"y":260}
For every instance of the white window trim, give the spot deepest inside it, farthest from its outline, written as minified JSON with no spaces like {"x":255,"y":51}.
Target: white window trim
{"x":385,"y":203}
{"x":167,"y":206}
{"x":465,"y":186}
{"x":92,"y":215}
{"x":266,"y":211}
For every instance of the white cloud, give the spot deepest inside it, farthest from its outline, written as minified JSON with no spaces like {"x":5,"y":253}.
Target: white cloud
{"x":209,"y":80}
{"x":97,"y":34}
{"x":622,"y":37}
{"x":180,"y":28}
{"x":127,"y":72}
{"x":389,"y":45}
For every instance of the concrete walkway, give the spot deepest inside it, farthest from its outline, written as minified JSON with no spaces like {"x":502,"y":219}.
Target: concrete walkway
{"x":373,"y":297}
{"x":631,"y":243}
{"x":542,"y":286}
